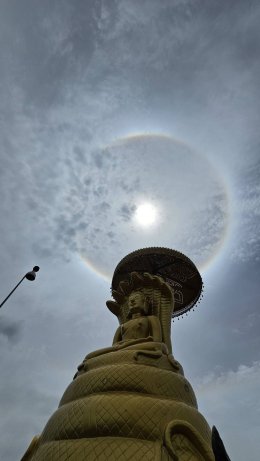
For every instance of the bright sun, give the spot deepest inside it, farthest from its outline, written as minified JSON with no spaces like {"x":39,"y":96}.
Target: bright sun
{"x":145,"y":214}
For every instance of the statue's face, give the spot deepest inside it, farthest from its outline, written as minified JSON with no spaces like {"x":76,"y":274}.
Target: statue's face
{"x":136,"y":301}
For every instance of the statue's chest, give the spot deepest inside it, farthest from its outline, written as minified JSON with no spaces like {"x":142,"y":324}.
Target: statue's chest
{"x":135,"y":328}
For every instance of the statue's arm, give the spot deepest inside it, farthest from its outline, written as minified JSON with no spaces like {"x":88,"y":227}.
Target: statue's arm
{"x":118,"y":335}
{"x":155,"y":328}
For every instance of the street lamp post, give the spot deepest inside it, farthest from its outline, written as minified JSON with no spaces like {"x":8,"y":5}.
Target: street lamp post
{"x":29,"y":276}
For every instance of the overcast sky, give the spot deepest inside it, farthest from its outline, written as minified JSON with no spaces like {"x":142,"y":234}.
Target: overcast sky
{"x":106,"y":106}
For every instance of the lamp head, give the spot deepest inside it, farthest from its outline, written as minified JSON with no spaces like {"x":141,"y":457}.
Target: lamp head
{"x":32,"y":274}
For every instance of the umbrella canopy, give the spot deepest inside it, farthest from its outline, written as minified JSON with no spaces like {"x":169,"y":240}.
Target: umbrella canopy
{"x":174,"y":267}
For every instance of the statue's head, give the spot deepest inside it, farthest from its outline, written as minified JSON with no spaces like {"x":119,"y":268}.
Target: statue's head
{"x":137,"y":303}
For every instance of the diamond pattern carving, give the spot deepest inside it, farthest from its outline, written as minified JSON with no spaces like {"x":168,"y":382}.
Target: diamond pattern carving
{"x":120,"y":414}
{"x":99,"y":449}
{"x":132,"y":378}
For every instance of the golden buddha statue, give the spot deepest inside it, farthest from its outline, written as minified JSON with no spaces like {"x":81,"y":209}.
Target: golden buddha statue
{"x":131,"y":401}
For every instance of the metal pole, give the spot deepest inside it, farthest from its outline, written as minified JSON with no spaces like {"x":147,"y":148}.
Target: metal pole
{"x":30,"y":276}
{"x":12,"y":292}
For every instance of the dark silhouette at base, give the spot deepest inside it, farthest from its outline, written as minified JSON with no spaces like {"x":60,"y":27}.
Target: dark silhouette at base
{"x":218,"y":446}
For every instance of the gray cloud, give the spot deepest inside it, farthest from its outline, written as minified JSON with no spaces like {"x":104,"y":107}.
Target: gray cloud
{"x":219,"y":395}
{"x":10,"y":329}
{"x":29,"y":408}
{"x":126,"y":212}
{"x":248,"y":212}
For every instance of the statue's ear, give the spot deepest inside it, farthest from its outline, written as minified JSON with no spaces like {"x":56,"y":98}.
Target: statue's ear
{"x":113,"y":307}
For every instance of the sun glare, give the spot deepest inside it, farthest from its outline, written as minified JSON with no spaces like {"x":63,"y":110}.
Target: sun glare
{"x":145,"y":214}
